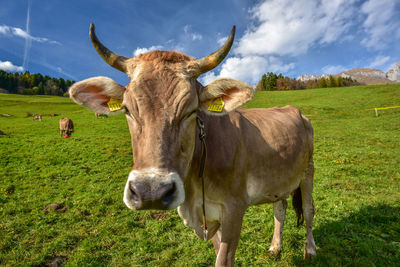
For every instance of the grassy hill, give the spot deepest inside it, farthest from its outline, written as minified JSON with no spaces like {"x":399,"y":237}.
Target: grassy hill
{"x":356,"y":188}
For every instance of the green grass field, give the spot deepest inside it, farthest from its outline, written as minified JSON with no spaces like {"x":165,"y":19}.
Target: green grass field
{"x":356,"y":189}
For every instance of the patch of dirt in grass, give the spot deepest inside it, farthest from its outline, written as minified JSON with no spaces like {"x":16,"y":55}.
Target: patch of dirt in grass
{"x":57,"y":261}
{"x":57,"y":207}
{"x":159,"y":216}
{"x":84,"y":213}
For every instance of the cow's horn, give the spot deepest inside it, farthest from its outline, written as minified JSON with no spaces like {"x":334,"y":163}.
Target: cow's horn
{"x":113,"y":59}
{"x":208,"y":63}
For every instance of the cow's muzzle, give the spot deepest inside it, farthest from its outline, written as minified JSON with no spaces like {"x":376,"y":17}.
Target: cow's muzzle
{"x":153,"y":189}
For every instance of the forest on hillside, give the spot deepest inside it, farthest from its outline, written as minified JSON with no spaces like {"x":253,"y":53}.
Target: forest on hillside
{"x":272,"y":82}
{"x":37,"y":84}
{"x":33,"y":84}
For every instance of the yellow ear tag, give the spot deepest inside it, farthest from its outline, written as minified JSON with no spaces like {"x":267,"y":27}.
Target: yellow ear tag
{"x":217,"y":105}
{"x":114,"y":104}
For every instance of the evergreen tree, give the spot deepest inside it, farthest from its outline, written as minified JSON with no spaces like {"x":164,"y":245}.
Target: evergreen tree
{"x":269,"y":82}
{"x":26,"y":83}
{"x":332,"y":81}
{"x":40,"y":88}
{"x":322,"y":83}
{"x":339,"y":81}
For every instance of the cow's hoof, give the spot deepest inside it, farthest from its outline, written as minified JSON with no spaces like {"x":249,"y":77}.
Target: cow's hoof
{"x":309,"y":255}
{"x":275,"y":251}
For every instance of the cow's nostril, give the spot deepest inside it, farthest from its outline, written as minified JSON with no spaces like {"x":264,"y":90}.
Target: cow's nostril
{"x":169,"y":195}
{"x":134,"y":196}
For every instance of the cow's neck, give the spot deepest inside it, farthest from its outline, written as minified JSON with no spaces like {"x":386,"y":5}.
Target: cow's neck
{"x":192,"y":208}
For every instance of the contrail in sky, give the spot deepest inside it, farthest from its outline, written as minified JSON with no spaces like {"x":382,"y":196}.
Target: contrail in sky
{"x":28,"y":41}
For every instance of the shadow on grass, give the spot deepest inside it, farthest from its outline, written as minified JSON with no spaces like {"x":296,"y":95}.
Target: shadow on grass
{"x":369,"y":237}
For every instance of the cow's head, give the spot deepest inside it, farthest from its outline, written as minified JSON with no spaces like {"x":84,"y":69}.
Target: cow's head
{"x":161,"y":102}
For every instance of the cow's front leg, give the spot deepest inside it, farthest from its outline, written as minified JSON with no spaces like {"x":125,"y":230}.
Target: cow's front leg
{"x":216,"y":240}
{"x":228,"y":238}
{"x":279,"y":219}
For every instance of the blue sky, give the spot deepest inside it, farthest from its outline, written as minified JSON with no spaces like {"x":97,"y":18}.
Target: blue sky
{"x":282,"y":36}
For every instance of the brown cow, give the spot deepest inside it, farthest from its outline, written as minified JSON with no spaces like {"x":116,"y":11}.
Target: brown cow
{"x":66,"y":126}
{"x":97,"y":115}
{"x":254,"y":155}
{"x":37,"y":117}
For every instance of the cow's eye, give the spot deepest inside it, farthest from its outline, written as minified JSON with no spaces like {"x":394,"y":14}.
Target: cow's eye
{"x":190,"y":114}
{"x":133,"y":116}
{"x":127,"y":112}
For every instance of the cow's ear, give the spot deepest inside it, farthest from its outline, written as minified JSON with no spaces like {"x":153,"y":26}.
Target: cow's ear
{"x":96,"y":94}
{"x":224,"y":95}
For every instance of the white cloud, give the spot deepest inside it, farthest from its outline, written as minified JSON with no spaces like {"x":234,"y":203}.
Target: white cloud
{"x":208,"y":78}
{"x":380,"y":23}
{"x":221,"y":41}
{"x":331,"y":69}
{"x":9,"y":66}
{"x":28,"y":41}
{"x":192,"y":35}
{"x":238,"y":68}
{"x":379,"y":61}
{"x":60,"y":70}
{"x":142,"y":50}
{"x":248,"y":68}
{"x":18,"y":32}
{"x":286,"y":27}
{"x":196,"y":36}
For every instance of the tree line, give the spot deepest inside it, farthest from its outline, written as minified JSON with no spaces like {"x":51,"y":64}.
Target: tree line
{"x":274,"y":82}
{"x":33,"y":84}
{"x":37,"y":84}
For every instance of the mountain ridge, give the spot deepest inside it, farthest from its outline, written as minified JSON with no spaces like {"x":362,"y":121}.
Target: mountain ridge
{"x":362,"y":75}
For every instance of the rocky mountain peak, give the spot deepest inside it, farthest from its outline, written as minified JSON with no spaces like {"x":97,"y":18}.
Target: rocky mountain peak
{"x":363,"y":75}
{"x":394,"y":73}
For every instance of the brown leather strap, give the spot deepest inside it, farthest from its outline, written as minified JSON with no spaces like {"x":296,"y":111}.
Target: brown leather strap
{"x":202,"y":137}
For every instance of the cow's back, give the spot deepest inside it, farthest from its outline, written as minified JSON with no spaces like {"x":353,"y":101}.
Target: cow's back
{"x":66,"y":124}
{"x":264,"y":150}
{"x":63,"y":123}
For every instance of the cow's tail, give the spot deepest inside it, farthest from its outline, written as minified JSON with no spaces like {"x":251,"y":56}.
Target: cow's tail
{"x":298,"y":206}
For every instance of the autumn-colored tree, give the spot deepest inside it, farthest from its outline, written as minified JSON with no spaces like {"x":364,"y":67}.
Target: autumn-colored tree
{"x":312,"y":84}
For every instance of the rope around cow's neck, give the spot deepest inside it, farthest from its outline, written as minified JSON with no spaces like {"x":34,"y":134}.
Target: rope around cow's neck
{"x":202,"y":137}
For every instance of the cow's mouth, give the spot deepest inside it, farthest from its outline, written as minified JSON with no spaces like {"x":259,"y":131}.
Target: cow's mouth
{"x":153,"y":190}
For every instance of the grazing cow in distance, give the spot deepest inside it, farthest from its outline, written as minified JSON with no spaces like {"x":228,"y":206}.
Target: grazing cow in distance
{"x":66,"y":127}
{"x":253,"y":156}
{"x":37,"y":117}
{"x":101,"y":115}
